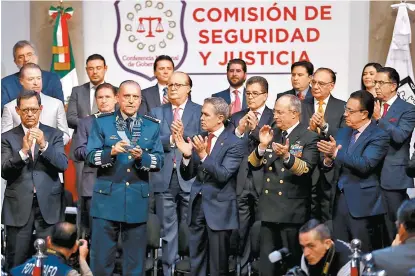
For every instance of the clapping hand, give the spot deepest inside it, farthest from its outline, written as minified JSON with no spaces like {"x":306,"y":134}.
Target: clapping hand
{"x":282,"y":150}
{"x":329,"y":149}
{"x":265,"y":136}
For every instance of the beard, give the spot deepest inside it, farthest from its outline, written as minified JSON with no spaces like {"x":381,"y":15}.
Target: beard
{"x":237,"y":84}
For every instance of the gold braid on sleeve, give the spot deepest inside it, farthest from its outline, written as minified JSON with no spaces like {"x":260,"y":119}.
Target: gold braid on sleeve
{"x":299,"y":167}
{"x":254,"y":160}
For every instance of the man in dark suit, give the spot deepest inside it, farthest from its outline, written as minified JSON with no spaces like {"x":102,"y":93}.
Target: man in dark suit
{"x":400,"y":257}
{"x":287,"y":158}
{"x":397,"y":118}
{"x":125,"y":147}
{"x":213,"y":213}
{"x":32,"y":155}
{"x":323,"y":113}
{"x":171,"y":190}
{"x":235,"y":94}
{"x":301,"y":76}
{"x":247,"y":124}
{"x":357,"y":156}
{"x":82,"y":103}
{"x":25,"y":52}
{"x":156,"y":95}
{"x":105,"y":97}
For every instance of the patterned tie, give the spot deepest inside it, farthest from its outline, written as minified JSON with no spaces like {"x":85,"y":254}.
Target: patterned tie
{"x":176,"y":114}
{"x":257,"y":116}
{"x":33,"y":151}
{"x":237,"y":106}
{"x":94,"y":108}
{"x":300,"y":96}
{"x":129,"y":122}
{"x":352,"y":139}
{"x":165,"y":95}
{"x":385,"y":109}
{"x":209,"y":143}
{"x":320,"y":107}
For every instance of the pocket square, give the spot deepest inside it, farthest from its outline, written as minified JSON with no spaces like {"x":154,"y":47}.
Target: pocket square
{"x":392,"y":120}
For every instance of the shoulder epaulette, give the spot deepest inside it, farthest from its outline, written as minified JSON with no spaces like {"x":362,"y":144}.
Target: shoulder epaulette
{"x":155,"y":120}
{"x":100,"y":115}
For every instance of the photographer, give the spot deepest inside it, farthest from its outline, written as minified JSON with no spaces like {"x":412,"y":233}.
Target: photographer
{"x":62,"y":243}
{"x":321,"y":254}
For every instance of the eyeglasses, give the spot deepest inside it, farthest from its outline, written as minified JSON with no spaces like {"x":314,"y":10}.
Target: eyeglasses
{"x":253,"y":94}
{"x":319,"y":83}
{"x":176,"y":85}
{"x":351,"y":111}
{"x":381,"y":83}
{"x":28,"y":110}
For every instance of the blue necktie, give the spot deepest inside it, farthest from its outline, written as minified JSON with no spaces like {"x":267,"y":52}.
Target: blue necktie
{"x":129,"y":122}
{"x":342,"y":179}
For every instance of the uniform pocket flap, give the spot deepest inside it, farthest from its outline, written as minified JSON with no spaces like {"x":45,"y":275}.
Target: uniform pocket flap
{"x":103,"y":187}
{"x":144,"y":190}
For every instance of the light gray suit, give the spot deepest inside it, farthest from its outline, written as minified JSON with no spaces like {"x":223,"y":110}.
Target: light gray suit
{"x":53,"y":115}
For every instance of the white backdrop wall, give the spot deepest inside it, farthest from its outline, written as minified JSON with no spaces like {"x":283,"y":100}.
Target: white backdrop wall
{"x":342,"y":44}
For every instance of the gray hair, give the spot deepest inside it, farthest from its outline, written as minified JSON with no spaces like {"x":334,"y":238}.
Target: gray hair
{"x":26,"y":67}
{"x":220,"y":105}
{"x":129,"y":82}
{"x":295,"y":103}
{"x":23,"y":43}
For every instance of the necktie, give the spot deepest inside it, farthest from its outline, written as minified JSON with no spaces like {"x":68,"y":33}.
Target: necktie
{"x":33,"y":151}
{"x":320,"y":107}
{"x":164,"y":95}
{"x":284,"y":137}
{"x":209,"y":143}
{"x":353,"y":139}
{"x":300,"y":96}
{"x":385,"y":109}
{"x":94,"y":108}
{"x":176,"y":114}
{"x":237,"y":106}
{"x":343,"y":179}
{"x":129,"y":122}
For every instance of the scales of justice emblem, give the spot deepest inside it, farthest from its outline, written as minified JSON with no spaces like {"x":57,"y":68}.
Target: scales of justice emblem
{"x":147,"y":29}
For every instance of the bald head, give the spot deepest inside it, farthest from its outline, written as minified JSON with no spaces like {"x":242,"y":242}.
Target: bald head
{"x":287,"y":111}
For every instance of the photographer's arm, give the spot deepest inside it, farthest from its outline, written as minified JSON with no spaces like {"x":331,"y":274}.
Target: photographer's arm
{"x":83,"y":265}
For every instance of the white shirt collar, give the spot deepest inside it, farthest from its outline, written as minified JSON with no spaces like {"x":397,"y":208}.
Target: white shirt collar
{"x":240,"y":89}
{"x":326,"y":100}
{"x":181,"y":106}
{"x":219,"y":131}
{"x":392,"y":100}
{"x":25,"y":129}
{"x":292,"y":128}
{"x":260,"y":110}
{"x":92,"y":85}
{"x":304,"y":92}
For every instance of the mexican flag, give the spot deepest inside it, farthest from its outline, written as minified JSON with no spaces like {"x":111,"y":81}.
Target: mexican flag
{"x":63,"y":62}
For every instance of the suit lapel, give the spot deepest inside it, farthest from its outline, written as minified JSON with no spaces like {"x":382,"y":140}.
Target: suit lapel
{"x":329,"y":109}
{"x":86,"y":98}
{"x":187,"y":113}
{"x":219,"y":143}
{"x":366,"y":133}
{"x":265,"y":117}
{"x":156,"y":95}
{"x":168,"y":113}
{"x":393,"y":109}
{"x":227,"y":96}
{"x":244,"y":100}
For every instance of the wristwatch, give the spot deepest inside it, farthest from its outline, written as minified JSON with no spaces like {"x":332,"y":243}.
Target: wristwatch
{"x":325,"y":126}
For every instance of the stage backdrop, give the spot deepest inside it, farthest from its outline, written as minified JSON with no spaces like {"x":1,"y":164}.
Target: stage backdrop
{"x":202,"y":36}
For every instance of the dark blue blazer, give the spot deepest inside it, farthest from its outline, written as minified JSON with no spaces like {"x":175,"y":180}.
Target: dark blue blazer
{"x":226,"y":95}
{"x":11,"y":87}
{"x":361,"y":166}
{"x":216,"y":180}
{"x":292,"y":92}
{"x":41,"y":172}
{"x":159,"y":181}
{"x":399,"y":123}
{"x":150,"y":99}
{"x":80,"y":141}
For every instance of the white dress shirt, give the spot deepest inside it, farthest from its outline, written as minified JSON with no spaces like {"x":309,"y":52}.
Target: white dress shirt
{"x":173,"y":108}
{"x":161,"y":92}
{"x":390,"y":102}
{"x":316,"y":105}
{"x":240,"y":93}
{"x":259,"y":115}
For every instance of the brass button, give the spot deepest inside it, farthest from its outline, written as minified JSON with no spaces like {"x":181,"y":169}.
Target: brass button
{"x":146,"y":149}
{"x":279,"y":193}
{"x":128,"y":170}
{"x":270,"y":156}
{"x":281,"y":181}
{"x":268,"y":180}
{"x":200,"y":193}
{"x":129,"y":157}
{"x":266,"y":191}
{"x":126,"y":183}
{"x":100,"y":191}
{"x":282,"y":169}
{"x":270,"y":168}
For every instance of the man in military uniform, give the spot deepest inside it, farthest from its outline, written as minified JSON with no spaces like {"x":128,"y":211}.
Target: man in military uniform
{"x":125,"y":147}
{"x":62,"y":243}
{"x":287,"y":157}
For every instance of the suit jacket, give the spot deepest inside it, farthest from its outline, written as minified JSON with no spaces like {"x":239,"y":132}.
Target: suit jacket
{"x":333,"y":114}
{"x":251,"y":139}
{"x":79,"y":105}
{"x":226,"y":95}
{"x":286,"y":195}
{"x":42,"y":173}
{"x":216,"y":181}
{"x":361,"y":165}
{"x":11,"y":87}
{"x":396,"y":260}
{"x":399,"y":123}
{"x":53,"y":115}
{"x":410,"y":169}
{"x":160,"y":181}
{"x":150,"y":99}
{"x":121,"y":189}
{"x":80,"y":141}
{"x":292,"y":92}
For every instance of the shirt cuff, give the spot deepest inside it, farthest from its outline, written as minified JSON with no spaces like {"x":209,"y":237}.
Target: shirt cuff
{"x":172,"y":144}
{"x":23,"y":156}
{"x":185,"y":161}
{"x":286,"y":161}
{"x":327,"y":165}
{"x":261,"y":152}
{"x":45,"y":148}
{"x":238,"y":134}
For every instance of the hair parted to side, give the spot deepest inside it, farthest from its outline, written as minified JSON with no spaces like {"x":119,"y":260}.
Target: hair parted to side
{"x":220,"y":105}
{"x":322,"y":231}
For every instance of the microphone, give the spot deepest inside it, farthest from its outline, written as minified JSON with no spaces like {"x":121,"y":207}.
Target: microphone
{"x":278,"y":255}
